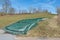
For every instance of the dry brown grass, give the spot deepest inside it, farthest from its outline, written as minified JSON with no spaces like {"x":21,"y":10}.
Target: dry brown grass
{"x":7,"y":19}
{"x":41,"y":30}
{"x":58,"y":19}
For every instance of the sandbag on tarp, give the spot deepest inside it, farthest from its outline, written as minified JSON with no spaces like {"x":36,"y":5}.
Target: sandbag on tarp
{"x":22,"y":26}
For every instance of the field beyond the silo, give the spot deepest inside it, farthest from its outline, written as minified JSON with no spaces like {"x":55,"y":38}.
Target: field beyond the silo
{"x":40,"y":30}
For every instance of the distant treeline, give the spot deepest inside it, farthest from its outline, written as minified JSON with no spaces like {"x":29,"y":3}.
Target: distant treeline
{"x":8,"y":9}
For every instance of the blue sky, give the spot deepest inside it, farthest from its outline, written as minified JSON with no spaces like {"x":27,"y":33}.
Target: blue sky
{"x":50,"y":5}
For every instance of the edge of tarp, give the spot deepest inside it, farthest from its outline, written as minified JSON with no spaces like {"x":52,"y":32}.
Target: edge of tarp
{"x":17,"y":21}
{"x":20,"y":20}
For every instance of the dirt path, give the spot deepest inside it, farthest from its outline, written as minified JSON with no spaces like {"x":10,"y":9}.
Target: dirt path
{"x":53,"y":22}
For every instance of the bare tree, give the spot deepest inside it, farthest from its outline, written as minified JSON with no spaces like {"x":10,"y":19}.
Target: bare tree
{"x":6,"y":5}
{"x":58,"y":20}
{"x":39,"y":10}
{"x":45,"y":11}
{"x":24,"y":11}
{"x":30,"y":10}
{"x":20,"y":11}
{"x":11,"y":10}
{"x":58,"y":10}
{"x":34,"y":10}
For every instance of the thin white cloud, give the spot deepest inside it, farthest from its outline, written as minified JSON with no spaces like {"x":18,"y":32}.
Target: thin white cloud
{"x":51,"y":1}
{"x":47,"y":6}
{"x":46,"y":1}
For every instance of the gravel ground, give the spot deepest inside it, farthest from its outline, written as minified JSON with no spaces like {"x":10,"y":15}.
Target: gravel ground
{"x":11,"y":37}
{"x":7,"y":37}
{"x":4,"y":36}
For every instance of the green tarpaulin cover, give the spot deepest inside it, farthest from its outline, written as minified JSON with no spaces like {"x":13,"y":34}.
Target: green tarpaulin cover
{"x":22,"y":26}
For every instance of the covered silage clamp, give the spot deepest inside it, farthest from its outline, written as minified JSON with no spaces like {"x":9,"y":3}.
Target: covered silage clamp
{"x":22,"y":26}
